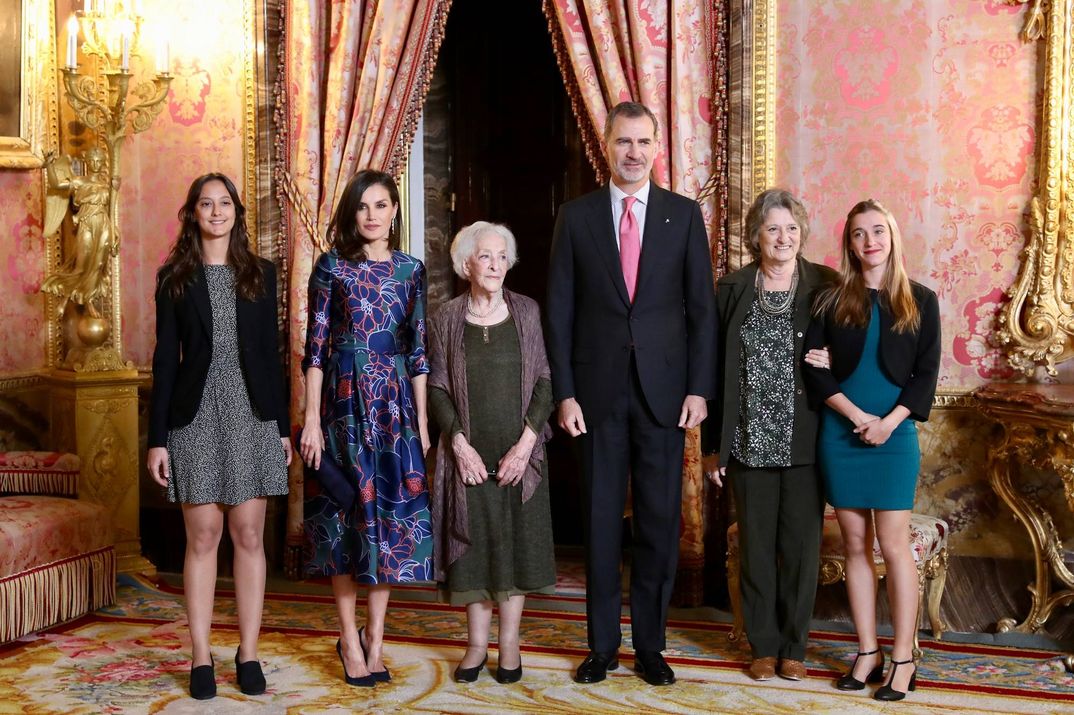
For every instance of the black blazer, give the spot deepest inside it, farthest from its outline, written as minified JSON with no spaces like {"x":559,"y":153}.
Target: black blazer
{"x":184,"y":350}
{"x":592,"y":327}
{"x":910,"y":360}
{"x":735,"y":293}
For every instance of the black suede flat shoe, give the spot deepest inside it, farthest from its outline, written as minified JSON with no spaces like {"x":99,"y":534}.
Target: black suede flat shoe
{"x":469,"y":675}
{"x":506,"y":676}
{"x":203,"y":681}
{"x":251,"y":679}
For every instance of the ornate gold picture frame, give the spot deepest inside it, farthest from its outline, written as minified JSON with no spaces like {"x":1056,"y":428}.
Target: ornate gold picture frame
{"x":752,"y":148}
{"x":29,"y":74}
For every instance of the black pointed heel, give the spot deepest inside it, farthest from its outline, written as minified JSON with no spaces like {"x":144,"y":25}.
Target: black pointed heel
{"x":876,"y":675}
{"x":203,"y":681}
{"x":889,"y":694}
{"x":381,"y":676}
{"x":469,"y":675}
{"x":366,"y":681}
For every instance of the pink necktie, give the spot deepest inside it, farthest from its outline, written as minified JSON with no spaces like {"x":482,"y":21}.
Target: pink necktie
{"x":629,"y":246}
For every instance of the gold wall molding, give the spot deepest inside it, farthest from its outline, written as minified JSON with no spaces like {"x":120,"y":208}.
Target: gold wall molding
{"x":1036,"y":328}
{"x":39,"y":109}
{"x":20,"y":380}
{"x":250,"y":56}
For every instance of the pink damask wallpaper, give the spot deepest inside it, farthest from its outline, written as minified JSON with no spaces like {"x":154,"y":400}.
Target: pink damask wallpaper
{"x":928,"y":107}
{"x":22,"y":262}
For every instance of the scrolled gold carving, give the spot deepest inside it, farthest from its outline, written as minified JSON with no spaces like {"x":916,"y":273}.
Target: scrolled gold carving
{"x":97,"y":360}
{"x":1036,"y":327}
{"x":1035,"y":424}
{"x":831,"y":571}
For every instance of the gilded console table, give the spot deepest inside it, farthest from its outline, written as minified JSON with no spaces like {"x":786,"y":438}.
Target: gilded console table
{"x":1037,"y":429}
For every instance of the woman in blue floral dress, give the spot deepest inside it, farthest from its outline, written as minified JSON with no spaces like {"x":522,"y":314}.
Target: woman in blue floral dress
{"x":365,"y":372}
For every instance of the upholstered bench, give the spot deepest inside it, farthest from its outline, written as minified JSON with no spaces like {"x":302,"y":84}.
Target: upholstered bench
{"x":57,"y":555}
{"x":928,"y":537}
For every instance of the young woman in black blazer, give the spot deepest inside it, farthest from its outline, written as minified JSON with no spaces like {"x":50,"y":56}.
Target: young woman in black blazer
{"x":218,"y":426}
{"x":883,"y":338}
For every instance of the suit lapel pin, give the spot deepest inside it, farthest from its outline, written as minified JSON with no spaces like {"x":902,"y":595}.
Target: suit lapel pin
{"x":667,"y":220}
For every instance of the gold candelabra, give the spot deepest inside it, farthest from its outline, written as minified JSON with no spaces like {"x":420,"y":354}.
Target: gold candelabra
{"x":107,"y":102}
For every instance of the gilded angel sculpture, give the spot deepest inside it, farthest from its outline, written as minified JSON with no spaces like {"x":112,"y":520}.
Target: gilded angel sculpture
{"x":83,"y":276}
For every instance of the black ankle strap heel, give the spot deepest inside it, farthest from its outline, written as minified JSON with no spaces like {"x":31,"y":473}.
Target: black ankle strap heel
{"x":876,"y":675}
{"x":886,"y":692}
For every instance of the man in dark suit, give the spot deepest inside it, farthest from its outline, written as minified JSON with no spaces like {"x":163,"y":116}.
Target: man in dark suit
{"x":632,"y":346}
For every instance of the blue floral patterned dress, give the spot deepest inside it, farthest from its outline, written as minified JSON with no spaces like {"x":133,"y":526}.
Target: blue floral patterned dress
{"x":367,"y":333}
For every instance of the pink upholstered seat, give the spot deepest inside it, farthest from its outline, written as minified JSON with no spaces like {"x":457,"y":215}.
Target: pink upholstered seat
{"x":40,"y":530}
{"x":57,"y":554}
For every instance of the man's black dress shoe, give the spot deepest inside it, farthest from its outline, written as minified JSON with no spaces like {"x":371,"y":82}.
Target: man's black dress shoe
{"x":595,"y":667}
{"x":650,"y":665}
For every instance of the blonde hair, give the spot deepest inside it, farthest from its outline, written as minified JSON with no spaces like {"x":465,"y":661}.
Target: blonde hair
{"x":849,"y":299}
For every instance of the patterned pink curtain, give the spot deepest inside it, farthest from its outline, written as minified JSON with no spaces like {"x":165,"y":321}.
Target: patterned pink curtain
{"x":354,"y":76}
{"x":664,"y":55}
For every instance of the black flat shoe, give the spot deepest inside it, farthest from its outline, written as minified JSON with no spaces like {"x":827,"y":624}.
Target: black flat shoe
{"x":595,"y":667}
{"x":505,"y":676}
{"x":251,"y":679}
{"x":381,"y":676}
{"x":366,"y":681}
{"x":469,"y":675}
{"x":886,"y":692}
{"x":876,"y":675}
{"x":650,"y":665}
{"x":203,"y":681}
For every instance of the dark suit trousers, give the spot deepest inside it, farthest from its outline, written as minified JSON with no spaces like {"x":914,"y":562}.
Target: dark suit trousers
{"x":780,"y":514}
{"x":630,"y":444}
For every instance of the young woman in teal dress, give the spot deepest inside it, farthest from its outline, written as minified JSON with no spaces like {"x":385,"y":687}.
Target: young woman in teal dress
{"x":882,"y":332}
{"x":366,"y":373}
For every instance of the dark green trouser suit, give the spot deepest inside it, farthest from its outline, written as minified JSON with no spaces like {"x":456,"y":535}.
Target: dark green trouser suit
{"x":780,"y":512}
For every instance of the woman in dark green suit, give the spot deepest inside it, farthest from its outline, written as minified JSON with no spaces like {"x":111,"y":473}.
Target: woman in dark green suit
{"x":764,"y":432}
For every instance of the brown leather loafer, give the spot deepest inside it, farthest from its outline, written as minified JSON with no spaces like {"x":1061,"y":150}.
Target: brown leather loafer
{"x":763,"y":668}
{"x":792,"y":669}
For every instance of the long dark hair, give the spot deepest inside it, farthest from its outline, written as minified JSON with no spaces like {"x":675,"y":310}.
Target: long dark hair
{"x":343,"y":229}
{"x":178,"y":268}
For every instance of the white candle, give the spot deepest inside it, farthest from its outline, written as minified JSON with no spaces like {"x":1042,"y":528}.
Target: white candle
{"x":72,"y":42}
{"x":125,"y":60}
{"x":165,"y":65}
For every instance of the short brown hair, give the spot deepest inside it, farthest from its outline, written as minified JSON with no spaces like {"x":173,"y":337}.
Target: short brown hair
{"x":630,"y":110}
{"x":765,"y":202}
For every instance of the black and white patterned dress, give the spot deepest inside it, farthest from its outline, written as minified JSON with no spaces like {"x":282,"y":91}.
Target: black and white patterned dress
{"x":227,"y":455}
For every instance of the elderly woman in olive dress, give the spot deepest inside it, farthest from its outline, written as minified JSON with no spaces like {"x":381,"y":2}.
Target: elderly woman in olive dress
{"x":764,"y":432}
{"x":491,"y":395}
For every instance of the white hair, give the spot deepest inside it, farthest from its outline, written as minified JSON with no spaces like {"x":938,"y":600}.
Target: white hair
{"x":462,"y":247}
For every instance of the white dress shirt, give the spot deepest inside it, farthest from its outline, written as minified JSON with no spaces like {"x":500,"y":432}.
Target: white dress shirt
{"x":642,"y":196}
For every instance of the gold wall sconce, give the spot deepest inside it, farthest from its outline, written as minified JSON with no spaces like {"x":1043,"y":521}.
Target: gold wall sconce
{"x":104,"y":100}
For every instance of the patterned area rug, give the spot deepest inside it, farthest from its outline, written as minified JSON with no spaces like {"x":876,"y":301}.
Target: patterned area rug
{"x":133,"y":658}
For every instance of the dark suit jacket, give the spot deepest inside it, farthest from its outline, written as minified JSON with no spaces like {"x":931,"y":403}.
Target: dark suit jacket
{"x":592,"y":326}
{"x":184,"y":350}
{"x":910,"y":360}
{"x":735,"y":293}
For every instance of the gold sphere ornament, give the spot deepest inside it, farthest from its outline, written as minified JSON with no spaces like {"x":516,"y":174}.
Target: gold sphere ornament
{"x":93,"y":330}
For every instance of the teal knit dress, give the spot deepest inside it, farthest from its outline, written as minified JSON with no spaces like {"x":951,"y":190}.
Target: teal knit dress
{"x":855,"y":474}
